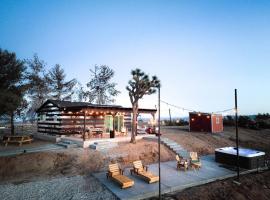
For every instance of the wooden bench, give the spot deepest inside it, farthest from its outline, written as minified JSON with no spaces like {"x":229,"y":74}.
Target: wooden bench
{"x":116,"y":174}
{"x":17,"y":139}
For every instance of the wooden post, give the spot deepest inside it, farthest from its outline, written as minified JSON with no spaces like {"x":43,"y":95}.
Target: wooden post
{"x":170,"y":116}
{"x":113,"y":120}
{"x":159,"y":183}
{"x":84,"y":129}
{"x":236,"y":132}
{"x":154,"y":122}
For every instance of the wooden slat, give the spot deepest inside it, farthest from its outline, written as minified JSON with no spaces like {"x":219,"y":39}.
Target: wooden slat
{"x":138,"y":164}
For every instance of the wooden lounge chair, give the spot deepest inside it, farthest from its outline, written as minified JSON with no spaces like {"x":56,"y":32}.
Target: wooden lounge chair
{"x":195,"y":162}
{"x":181,"y":163}
{"x":116,"y":174}
{"x":142,"y":171}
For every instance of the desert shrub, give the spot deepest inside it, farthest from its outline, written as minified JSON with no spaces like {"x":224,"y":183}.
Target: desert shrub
{"x":263,"y":116}
{"x":228,"y":121}
{"x":175,"y":122}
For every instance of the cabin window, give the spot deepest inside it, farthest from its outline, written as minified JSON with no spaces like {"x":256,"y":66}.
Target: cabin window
{"x":43,"y":117}
{"x":119,"y":123}
{"x":55,"y":118}
{"x":108,"y":120}
{"x":217,"y":120}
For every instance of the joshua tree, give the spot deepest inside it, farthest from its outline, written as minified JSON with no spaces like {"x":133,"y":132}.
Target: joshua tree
{"x":138,"y":86}
{"x":100,"y":88}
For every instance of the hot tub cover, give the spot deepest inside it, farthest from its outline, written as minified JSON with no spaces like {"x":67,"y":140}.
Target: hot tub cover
{"x":242,"y":151}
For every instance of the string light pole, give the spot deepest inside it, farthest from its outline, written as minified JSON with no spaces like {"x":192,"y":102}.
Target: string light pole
{"x":236,"y":132}
{"x":159,"y":183}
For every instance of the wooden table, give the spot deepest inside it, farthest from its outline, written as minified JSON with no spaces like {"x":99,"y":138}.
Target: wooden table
{"x":97,"y":132}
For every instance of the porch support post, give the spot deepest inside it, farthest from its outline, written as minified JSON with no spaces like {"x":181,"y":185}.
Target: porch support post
{"x":84,"y":129}
{"x":136,"y":128}
{"x":113,"y":118}
{"x":154,"y":121}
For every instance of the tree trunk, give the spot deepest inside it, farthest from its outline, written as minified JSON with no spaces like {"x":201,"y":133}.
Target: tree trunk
{"x":12,"y":123}
{"x":134,"y":123}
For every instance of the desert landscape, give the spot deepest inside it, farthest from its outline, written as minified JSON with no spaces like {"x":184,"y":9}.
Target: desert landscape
{"x":80,"y":163}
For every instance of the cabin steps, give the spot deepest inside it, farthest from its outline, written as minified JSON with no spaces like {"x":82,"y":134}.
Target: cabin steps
{"x":67,"y":144}
{"x":103,"y":145}
{"x":175,"y":147}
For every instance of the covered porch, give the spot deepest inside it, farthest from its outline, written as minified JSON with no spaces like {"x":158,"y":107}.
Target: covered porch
{"x":102,"y":123}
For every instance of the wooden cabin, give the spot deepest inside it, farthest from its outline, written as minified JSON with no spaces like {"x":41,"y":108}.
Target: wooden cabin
{"x":81,"y":118}
{"x":205,"y":122}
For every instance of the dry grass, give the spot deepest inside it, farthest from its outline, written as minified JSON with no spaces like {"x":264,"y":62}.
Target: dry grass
{"x":147,"y":151}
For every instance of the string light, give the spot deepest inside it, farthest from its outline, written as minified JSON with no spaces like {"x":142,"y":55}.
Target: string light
{"x":193,"y":110}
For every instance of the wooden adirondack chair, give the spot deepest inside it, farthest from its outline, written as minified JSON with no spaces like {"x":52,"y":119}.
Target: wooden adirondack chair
{"x":181,"y":163}
{"x":195,"y":162}
{"x":116,"y":174}
{"x":142,"y":171}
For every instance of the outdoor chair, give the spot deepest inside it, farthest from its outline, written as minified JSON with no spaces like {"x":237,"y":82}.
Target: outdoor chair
{"x":195,"y":162}
{"x":116,"y":174}
{"x":142,"y":171}
{"x":181,"y":163}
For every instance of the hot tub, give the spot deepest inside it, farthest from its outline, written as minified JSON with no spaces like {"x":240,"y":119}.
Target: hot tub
{"x":248,"y":158}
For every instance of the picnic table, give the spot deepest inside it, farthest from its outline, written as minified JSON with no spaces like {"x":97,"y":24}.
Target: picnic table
{"x":97,"y":132}
{"x":19,"y":139}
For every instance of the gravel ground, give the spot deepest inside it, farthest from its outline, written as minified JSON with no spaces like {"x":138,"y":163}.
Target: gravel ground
{"x":71,"y":188}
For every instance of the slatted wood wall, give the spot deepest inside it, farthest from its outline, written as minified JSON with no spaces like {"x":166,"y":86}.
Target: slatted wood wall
{"x":59,"y":122}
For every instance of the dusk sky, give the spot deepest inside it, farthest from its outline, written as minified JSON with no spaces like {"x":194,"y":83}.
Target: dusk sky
{"x":200,"y":50}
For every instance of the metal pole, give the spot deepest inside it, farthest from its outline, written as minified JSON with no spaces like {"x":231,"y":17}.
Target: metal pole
{"x":159,"y":183}
{"x":236,"y":132}
{"x":170,"y":116}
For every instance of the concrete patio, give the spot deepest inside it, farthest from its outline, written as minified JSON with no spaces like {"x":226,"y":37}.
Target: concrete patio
{"x":171,"y":179}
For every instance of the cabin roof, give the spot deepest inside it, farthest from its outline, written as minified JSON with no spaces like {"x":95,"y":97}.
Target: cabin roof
{"x":203,"y":113}
{"x":82,"y":105}
{"x":71,"y":104}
